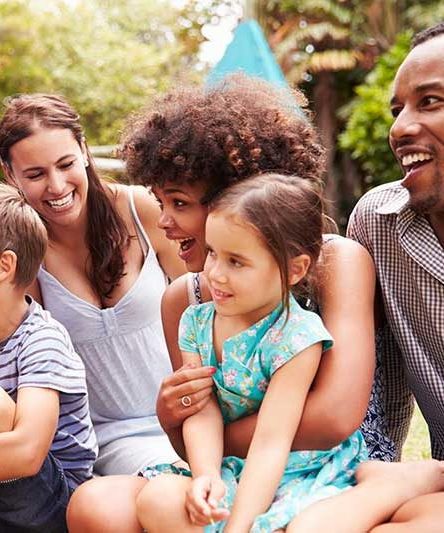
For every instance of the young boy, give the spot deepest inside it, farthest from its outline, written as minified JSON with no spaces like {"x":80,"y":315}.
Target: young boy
{"x":47,"y":443}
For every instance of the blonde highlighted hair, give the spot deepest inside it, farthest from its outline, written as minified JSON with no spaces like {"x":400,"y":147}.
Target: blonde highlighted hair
{"x":22,"y":232}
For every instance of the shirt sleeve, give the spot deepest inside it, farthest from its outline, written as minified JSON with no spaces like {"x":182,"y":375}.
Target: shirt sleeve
{"x":398,"y":399}
{"x":359,"y":223}
{"x":47,"y":359}
{"x":299,"y":333}
{"x":188,"y":330}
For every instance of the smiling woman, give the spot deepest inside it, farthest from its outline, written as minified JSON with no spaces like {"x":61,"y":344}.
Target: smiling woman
{"x":49,"y":168}
{"x":183,"y":219}
{"x":103,"y":275}
{"x":188,"y":146}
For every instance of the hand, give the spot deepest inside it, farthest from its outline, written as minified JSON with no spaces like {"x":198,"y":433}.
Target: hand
{"x":202,"y":500}
{"x":195,"y":383}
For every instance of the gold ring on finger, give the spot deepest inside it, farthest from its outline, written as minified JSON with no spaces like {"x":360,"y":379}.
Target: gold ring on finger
{"x":185,"y":401}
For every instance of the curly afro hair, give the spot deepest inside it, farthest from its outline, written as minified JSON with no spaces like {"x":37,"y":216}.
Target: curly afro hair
{"x":222,"y":134}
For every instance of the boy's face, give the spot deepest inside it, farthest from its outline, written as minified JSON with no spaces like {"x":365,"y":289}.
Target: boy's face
{"x":417,"y":133}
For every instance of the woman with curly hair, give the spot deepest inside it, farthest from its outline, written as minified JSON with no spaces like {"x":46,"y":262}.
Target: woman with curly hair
{"x":190,"y":145}
{"x":187,"y":146}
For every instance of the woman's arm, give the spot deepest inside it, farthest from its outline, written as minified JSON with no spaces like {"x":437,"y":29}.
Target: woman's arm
{"x":346,"y":370}
{"x":149,"y":212}
{"x":190,"y":380}
{"x":285,"y":396}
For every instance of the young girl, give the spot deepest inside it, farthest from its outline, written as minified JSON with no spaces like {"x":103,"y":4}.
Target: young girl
{"x":264,"y":236}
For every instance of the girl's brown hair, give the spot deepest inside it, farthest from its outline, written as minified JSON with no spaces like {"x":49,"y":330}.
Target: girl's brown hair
{"x":287,"y":213}
{"x":106,"y":233}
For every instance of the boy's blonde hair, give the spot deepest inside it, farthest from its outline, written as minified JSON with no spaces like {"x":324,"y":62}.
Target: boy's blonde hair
{"x":22,"y":232}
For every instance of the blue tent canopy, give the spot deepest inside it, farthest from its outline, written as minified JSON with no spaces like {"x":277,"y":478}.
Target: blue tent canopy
{"x":248,"y":52}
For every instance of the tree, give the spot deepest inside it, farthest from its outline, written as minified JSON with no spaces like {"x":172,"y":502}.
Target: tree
{"x":370,"y":119}
{"x":106,"y":56}
{"x":327,"y":47}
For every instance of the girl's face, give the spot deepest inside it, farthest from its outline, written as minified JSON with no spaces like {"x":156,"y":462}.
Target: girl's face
{"x":243,"y":276}
{"x":183,"y":220}
{"x":49,"y":168}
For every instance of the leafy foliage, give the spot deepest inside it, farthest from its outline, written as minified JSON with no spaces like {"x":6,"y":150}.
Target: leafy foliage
{"x":367,"y":129}
{"x":106,"y":56}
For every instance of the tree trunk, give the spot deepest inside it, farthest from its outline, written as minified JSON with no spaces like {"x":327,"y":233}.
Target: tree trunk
{"x":324,"y":104}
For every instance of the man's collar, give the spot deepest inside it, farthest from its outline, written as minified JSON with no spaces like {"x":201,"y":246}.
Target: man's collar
{"x":395,"y":205}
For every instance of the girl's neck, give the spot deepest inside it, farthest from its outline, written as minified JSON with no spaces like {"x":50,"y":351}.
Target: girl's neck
{"x":225,"y":327}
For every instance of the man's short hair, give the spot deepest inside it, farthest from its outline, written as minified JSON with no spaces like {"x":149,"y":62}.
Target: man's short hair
{"x":22,"y":232}
{"x":427,"y":34}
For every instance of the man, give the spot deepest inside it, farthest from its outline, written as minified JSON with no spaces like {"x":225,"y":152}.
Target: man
{"x":402,"y":225}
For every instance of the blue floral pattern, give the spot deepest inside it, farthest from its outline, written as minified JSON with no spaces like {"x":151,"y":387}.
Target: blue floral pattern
{"x":374,"y":428}
{"x":248,"y":362}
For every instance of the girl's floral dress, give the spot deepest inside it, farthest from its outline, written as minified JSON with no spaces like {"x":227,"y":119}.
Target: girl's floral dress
{"x":248,"y":362}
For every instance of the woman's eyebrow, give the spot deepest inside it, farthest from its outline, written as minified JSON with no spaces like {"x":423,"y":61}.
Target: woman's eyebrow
{"x":57,"y":162}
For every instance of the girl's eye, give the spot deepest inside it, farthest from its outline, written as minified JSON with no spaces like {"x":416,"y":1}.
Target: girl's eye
{"x":210,"y":252}
{"x":395,"y":111}
{"x":179,"y":203}
{"x":67,"y":165}
{"x":430,"y":100}
{"x":236,"y":263}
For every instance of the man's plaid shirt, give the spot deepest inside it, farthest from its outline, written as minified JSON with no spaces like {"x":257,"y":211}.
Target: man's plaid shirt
{"x":409,"y":263}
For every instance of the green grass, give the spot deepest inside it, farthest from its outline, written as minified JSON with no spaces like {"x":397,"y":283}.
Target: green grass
{"x":417,"y":445}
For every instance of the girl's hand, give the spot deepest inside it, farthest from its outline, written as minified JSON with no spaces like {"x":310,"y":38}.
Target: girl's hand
{"x":202,"y":500}
{"x":193,"y":383}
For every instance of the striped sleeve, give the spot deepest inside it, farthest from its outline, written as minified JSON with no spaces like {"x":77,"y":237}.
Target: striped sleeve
{"x":47,"y":359}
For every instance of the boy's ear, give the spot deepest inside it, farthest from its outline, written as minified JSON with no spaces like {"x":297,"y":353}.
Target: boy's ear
{"x":8,"y":265}
{"x":298,"y":268}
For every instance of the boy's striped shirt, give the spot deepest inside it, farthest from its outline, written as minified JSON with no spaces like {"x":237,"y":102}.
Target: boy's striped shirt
{"x":40,"y":354}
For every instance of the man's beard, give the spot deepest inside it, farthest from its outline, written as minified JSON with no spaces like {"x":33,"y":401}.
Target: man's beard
{"x":433,"y":199}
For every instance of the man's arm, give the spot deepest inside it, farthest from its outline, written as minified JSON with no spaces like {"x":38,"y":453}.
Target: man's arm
{"x":398,"y":399}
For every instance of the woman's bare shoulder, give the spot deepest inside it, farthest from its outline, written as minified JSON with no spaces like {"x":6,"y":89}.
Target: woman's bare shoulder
{"x":176,"y":294}
{"x":340,"y":251}
{"x":345,"y":266}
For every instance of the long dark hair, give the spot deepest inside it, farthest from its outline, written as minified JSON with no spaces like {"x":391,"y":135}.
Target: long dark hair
{"x":106,"y":233}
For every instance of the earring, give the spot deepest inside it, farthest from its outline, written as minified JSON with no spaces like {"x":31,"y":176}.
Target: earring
{"x":86,"y":163}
